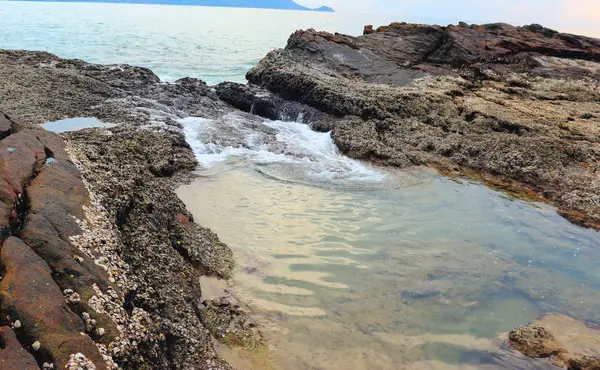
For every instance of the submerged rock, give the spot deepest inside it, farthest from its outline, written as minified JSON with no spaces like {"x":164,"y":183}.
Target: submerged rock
{"x":534,"y":341}
{"x":420,"y":293}
{"x":568,"y":343}
{"x":229,"y":323}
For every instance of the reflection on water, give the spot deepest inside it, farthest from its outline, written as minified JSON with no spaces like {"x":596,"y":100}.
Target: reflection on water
{"x":74,"y":124}
{"x":428,"y":276}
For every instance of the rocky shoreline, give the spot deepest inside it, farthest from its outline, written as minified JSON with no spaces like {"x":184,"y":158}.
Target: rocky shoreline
{"x":515,"y":106}
{"x":96,"y":230}
{"x":96,"y":240}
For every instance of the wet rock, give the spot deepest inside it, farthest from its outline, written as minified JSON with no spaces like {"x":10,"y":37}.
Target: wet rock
{"x":29,"y":294}
{"x":12,"y":355}
{"x":165,"y":252}
{"x":567,"y":342}
{"x":255,"y":100}
{"x":230,"y":323}
{"x":534,"y":341}
{"x":249,"y":99}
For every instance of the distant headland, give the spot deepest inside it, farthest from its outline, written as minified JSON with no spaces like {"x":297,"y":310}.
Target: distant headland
{"x":261,"y":4}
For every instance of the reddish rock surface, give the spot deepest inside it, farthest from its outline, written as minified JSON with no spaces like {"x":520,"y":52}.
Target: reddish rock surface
{"x":154,"y":261}
{"x":28,"y":294}
{"x":41,"y":194}
{"x":55,"y":198}
{"x":12,"y":355}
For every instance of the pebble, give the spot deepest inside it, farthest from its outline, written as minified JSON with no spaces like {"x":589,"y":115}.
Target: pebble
{"x":17,"y":324}
{"x":35,"y":345}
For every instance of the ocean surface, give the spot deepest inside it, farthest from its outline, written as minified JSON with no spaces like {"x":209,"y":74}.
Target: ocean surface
{"x":344,"y":265}
{"x":213,"y":44}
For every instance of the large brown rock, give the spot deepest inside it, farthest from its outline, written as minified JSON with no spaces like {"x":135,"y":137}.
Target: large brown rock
{"x":42,"y":195}
{"x":12,"y":355}
{"x":56,"y":196}
{"x":28,"y":294}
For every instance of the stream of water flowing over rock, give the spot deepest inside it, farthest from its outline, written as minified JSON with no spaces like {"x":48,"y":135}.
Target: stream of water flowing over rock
{"x":348,"y":266}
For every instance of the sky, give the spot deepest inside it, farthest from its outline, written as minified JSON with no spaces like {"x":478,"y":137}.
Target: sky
{"x":581,"y":16}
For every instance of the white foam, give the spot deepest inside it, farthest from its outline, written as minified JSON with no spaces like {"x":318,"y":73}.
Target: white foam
{"x":284,"y":149}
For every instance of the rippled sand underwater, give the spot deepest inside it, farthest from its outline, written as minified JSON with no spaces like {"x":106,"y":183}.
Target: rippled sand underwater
{"x":417,"y":276}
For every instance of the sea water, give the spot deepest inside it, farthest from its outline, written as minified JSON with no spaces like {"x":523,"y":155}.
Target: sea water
{"x":213,"y":44}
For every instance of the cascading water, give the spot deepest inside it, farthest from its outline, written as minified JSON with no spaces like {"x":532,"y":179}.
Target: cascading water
{"x":280,"y":149}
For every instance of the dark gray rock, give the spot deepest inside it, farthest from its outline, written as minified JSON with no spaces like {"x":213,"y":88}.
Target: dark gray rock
{"x":419,"y":293}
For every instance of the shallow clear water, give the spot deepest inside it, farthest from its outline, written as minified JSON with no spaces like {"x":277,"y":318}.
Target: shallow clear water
{"x":380,"y":269}
{"x":74,"y":124}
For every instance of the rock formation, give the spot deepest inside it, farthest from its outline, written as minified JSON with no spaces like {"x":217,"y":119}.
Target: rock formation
{"x":567,"y":342}
{"x":514,"y":106}
{"x":113,"y":254}
{"x":100,"y":261}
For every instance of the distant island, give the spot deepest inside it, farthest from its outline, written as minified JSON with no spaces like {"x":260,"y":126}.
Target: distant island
{"x":261,"y":4}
